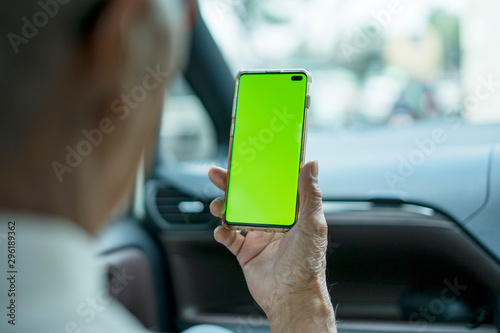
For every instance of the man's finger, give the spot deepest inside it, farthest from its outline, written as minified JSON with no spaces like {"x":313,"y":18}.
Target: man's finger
{"x":230,"y":238}
{"x":218,"y":207}
{"x":311,"y":205}
{"x":217,"y":176}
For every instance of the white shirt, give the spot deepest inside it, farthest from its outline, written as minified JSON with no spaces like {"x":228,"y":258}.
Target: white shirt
{"x":56,"y":283}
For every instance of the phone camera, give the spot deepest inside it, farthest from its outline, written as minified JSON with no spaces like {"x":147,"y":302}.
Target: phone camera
{"x":297,"y":78}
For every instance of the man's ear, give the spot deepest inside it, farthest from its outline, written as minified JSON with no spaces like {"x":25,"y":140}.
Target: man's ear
{"x":192,"y":11}
{"x":106,"y":41}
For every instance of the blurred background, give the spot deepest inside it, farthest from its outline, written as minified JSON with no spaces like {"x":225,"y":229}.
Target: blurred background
{"x":376,"y":65}
{"x":405,"y":124}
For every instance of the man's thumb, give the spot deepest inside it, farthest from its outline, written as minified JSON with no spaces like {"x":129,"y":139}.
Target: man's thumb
{"x":309,"y":191}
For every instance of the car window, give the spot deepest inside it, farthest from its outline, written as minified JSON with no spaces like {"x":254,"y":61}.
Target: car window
{"x":187,"y":132}
{"x":375,"y":64}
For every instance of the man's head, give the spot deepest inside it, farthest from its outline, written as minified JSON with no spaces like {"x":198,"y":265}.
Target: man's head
{"x":82,"y":87}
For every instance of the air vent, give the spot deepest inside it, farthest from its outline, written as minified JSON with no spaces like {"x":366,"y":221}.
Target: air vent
{"x":172,"y":207}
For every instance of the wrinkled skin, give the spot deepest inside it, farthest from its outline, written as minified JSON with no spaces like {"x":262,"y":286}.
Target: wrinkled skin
{"x":282,"y":268}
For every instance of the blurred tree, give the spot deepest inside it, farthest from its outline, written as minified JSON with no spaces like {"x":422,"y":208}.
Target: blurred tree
{"x":448,"y":28}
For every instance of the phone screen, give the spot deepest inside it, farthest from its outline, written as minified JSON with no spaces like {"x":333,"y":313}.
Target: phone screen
{"x":266,"y":150}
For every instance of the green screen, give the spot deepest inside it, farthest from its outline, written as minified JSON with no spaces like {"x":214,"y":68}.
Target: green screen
{"x":266,"y":149}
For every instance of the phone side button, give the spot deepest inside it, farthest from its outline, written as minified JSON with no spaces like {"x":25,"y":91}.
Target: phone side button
{"x":308,"y":101}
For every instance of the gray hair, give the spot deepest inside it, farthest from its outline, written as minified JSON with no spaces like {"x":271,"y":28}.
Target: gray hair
{"x":36,"y":36}
{"x":40,"y":36}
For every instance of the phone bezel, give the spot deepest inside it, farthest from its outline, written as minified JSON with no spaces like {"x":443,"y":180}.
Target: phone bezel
{"x":256,"y":226}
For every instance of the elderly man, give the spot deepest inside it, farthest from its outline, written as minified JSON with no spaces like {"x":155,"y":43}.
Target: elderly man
{"x":89,"y":76}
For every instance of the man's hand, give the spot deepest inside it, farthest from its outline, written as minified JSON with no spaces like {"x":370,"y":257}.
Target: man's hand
{"x":285,"y":273}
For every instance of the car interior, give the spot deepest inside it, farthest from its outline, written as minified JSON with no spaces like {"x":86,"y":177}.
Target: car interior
{"x":413,"y":247}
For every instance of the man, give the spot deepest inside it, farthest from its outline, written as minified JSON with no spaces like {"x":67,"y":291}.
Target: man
{"x":82,"y":85}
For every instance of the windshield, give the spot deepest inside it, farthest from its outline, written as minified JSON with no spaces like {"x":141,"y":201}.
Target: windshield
{"x":383,"y":63}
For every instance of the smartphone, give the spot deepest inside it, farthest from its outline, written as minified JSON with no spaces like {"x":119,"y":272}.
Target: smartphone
{"x":267,"y":149}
